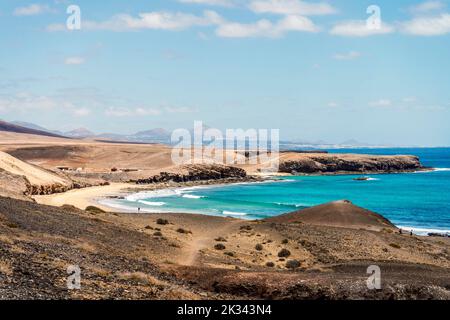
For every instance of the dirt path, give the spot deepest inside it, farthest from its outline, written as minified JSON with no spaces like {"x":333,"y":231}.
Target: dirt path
{"x":191,"y":254}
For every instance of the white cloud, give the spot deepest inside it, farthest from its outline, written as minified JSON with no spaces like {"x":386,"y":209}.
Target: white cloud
{"x":32,"y":10}
{"x":296,"y":23}
{"x":180,"y":21}
{"x":142,"y":111}
{"x":81,"y":112}
{"x":409,"y":99}
{"x":223,"y":3}
{"x":128,"y":112}
{"x":74,"y":61}
{"x":266,"y":28}
{"x":162,"y":20}
{"x":25,"y":101}
{"x":359,"y":28}
{"x":291,"y":7}
{"x":333,"y":104}
{"x":180,"y":110}
{"x":147,"y":112}
{"x":351,"y":55}
{"x":428,"y":26}
{"x":381,"y":103}
{"x":427,"y":6}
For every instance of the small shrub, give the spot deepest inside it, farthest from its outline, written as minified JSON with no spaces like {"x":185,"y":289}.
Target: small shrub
{"x":270,"y":264}
{"x":162,"y":221}
{"x":284,"y":253}
{"x":93,"y":209}
{"x":219,"y":246}
{"x":229,"y":253}
{"x":285,"y":241}
{"x":12,"y":225}
{"x":221,"y":239}
{"x":259,"y":247}
{"x":181,"y":230}
{"x":158,"y":234}
{"x":246,"y":227}
{"x":394,"y":245}
{"x":293,"y":264}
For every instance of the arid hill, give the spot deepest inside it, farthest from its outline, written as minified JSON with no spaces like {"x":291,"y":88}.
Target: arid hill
{"x":185,"y":256}
{"x":33,"y":174}
{"x":337,"y":214}
{"x":18,"y":178}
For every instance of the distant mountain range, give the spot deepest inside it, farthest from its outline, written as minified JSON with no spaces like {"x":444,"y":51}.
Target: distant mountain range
{"x":12,"y":127}
{"x":160,"y":135}
{"x":157,"y":135}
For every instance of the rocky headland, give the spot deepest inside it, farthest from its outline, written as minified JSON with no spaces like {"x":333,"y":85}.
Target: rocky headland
{"x":347,"y":163}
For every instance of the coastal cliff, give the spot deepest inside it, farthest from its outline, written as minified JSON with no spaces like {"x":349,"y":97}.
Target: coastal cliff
{"x":192,"y":173}
{"x":347,"y":163}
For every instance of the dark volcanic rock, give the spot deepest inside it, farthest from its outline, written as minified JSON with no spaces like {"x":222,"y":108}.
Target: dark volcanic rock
{"x":350,"y":163}
{"x":197,"y":173}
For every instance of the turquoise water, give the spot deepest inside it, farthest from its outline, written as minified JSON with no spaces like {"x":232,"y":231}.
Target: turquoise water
{"x":418,"y":201}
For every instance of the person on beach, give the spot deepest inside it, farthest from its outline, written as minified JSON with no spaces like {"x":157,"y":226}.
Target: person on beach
{"x":139,"y":209}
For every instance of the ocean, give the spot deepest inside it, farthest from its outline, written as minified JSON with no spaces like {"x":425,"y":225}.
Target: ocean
{"x":413,"y":201}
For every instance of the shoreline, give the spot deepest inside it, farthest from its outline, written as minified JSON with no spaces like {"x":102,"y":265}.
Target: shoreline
{"x":98,"y":195}
{"x":90,"y":196}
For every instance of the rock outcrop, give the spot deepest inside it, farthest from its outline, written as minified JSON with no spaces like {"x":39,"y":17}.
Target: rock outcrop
{"x":197,"y":173}
{"x":333,"y":163}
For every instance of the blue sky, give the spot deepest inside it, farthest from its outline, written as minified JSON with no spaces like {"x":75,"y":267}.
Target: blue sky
{"x":309,"y":68}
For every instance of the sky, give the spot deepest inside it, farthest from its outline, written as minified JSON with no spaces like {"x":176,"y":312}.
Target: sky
{"x":312,"y":69}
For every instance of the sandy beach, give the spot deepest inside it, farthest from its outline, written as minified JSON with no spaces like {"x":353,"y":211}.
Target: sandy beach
{"x":82,"y":198}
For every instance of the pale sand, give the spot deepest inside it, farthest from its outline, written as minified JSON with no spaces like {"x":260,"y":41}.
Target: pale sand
{"x":82,"y":198}
{"x":34,"y":175}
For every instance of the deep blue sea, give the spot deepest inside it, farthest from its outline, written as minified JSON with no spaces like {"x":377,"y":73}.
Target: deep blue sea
{"x":417,"y":201}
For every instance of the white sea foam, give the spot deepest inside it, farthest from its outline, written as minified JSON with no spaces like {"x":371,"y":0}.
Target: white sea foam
{"x":192,"y":196}
{"x":150,"y":203}
{"x":231,"y":213}
{"x":433,"y":170}
{"x":424,"y":231}
{"x":373,"y":179}
{"x":153,"y":194}
{"x":125,"y":208}
{"x":297,"y":205}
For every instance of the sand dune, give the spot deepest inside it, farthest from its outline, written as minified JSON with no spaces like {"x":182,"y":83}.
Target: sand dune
{"x":33,"y":174}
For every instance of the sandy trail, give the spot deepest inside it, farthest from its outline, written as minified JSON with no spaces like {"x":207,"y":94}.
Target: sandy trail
{"x":191,"y":254}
